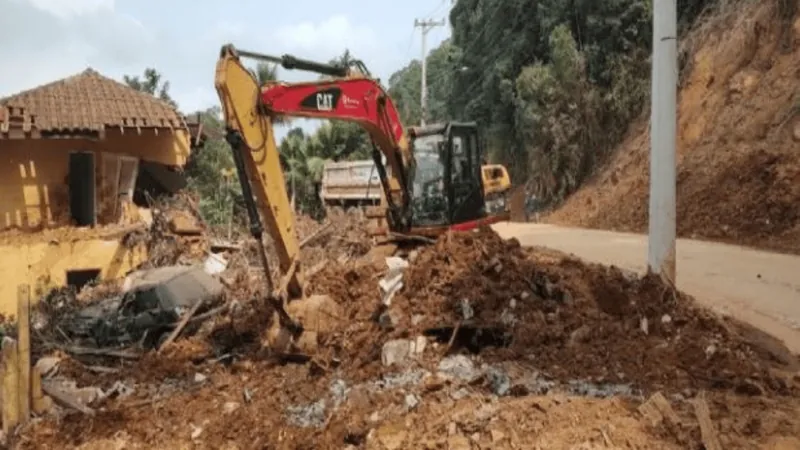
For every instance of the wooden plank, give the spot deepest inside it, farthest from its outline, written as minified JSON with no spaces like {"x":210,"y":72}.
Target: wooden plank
{"x":24,"y":351}
{"x":657,"y":409}
{"x":707,"y":430}
{"x":10,"y":386}
{"x":39,"y":402}
{"x":181,"y":325}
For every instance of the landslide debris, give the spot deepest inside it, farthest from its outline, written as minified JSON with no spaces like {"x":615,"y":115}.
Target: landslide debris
{"x":738,"y":175}
{"x":493,"y":316}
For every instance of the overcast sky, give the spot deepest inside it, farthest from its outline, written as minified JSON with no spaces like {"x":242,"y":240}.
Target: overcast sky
{"x":44,"y":40}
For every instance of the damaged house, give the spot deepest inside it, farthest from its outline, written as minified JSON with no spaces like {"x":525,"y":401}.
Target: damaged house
{"x":74,"y":153}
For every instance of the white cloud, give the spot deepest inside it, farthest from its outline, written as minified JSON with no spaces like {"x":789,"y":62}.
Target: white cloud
{"x":49,"y":39}
{"x":66,"y":9}
{"x":331,"y":36}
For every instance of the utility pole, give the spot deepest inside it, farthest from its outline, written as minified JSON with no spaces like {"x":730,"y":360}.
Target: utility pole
{"x":663,"y":137}
{"x":425,"y":25}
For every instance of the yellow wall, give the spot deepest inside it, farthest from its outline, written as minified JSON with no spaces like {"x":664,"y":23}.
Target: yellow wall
{"x":33,"y":172}
{"x":44,"y":265}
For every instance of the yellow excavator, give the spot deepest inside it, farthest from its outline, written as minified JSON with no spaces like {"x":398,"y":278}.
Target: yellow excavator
{"x":496,"y":187}
{"x":431,"y":176}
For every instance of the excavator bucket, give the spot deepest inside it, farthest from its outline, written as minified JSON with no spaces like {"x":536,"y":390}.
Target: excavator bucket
{"x":318,"y":314}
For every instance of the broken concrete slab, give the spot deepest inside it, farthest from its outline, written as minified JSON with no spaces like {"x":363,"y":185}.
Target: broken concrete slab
{"x":153,"y":302}
{"x":173,"y":286}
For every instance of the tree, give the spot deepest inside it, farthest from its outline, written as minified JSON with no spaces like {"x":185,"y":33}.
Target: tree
{"x":151,"y":83}
{"x":265,"y":74}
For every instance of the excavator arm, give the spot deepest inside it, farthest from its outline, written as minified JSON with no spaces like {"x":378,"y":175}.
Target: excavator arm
{"x":251,"y":136}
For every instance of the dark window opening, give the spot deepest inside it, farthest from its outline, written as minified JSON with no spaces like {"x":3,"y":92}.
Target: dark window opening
{"x":80,"y":278}
{"x":82,"y":189}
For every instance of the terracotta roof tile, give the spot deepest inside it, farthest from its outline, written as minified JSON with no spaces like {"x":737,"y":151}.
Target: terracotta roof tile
{"x":86,"y":102}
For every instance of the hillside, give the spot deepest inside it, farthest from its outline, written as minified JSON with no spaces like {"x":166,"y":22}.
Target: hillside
{"x":739,"y":139}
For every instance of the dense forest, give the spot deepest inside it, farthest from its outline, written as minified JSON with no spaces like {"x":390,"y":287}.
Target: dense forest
{"x":553,"y":84}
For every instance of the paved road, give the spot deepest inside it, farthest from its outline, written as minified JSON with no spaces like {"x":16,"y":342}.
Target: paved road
{"x":757,"y":287}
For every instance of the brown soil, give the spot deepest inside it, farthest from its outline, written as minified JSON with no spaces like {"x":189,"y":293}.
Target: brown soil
{"x":570,"y":321}
{"x":739,"y":131}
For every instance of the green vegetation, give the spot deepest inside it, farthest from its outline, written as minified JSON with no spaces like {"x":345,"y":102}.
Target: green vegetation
{"x":553,"y":83}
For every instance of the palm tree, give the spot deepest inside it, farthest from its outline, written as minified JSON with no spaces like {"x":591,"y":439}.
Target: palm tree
{"x":267,"y":73}
{"x":303,"y":163}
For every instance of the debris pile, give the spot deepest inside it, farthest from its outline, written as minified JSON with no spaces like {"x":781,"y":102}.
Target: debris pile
{"x":567,"y":320}
{"x":478,"y":333}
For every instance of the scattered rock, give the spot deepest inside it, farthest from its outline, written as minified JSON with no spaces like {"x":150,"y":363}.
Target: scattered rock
{"x":459,"y":394}
{"x":199,"y":377}
{"x":419,"y":345}
{"x":499,"y":381}
{"x":452,"y":428}
{"x":433,"y":383}
{"x":458,"y":442}
{"x":388,"y":320}
{"x":338,"y":391}
{"x":196,"y":432}
{"x":396,"y":351}
{"x":391,"y":436}
{"x":181,"y":222}
{"x":485,"y":412}
{"x":311,"y":415}
{"x":230,"y":407}
{"x":496,"y":435}
{"x":458,"y":366}
{"x":411,"y":401}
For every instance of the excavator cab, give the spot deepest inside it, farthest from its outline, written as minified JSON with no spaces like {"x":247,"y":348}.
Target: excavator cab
{"x":446,"y":182}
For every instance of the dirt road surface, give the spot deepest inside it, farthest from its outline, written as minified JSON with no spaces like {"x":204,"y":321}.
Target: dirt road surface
{"x":757,"y":287}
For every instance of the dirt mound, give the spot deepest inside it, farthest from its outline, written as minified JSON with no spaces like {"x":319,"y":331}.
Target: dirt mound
{"x":739,"y":130}
{"x":580,"y":321}
{"x":523,"y":312}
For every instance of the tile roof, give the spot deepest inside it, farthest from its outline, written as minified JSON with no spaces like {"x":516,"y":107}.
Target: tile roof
{"x":81,"y":105}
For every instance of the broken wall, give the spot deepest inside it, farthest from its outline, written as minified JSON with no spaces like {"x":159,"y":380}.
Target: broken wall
{"x":34,"y":177}
{"x":47,"y":263}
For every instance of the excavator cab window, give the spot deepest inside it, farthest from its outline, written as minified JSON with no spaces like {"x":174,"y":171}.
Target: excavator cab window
{"x":429,"y":197}
{"x":466,"y":189}
{"x":447,"y":184}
